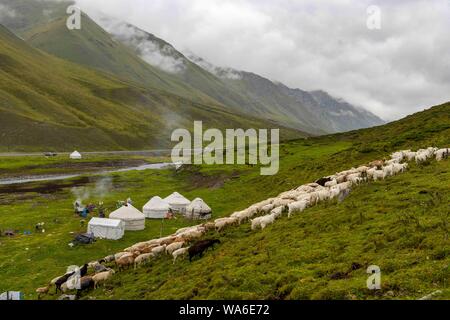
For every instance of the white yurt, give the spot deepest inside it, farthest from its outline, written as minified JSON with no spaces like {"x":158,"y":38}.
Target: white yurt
{"x":134,"y":219}
{"x":112,"y":229}
{"x":177,"y":202}
{"x":156,"y":208}
{"x":198,"y":209}
{"x":75,"y":155}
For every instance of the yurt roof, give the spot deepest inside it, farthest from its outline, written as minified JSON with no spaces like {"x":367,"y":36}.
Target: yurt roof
{"x":75,"y":153}
{"x":156,"y":203}
{"x":105,"y":222}
{"x":198,"y":205}
{"x":176,"y":198}
{"x":127,"y":212}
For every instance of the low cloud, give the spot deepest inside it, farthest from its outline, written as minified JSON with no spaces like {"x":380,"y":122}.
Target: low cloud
{"x":312,"y":44}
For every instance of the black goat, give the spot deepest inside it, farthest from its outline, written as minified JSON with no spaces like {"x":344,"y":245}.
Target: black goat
{"x":62,"y":280}
{"x":323,"y":180}
{"x":198,"y":248}
{"x":83,"y":270}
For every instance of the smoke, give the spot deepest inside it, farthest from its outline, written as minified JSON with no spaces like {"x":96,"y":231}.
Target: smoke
{"x":102,"y":188}
{"x":81,"y":194}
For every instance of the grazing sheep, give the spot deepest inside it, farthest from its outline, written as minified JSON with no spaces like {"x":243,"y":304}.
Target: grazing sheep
{"x":41,"y":291}
{"x":117,"y":256}
{"x":159,"y":250}
{"x":221,"y":224}
{"x":410,"y":155}
{"x":377,"y":164}
{"x":277,"y":212}
{"x":102,"y":277}
{"x":173,"y":247}
{"x":442,"y":154}
{"x":179,"y":253}
{"x":267,"y":220}
{"x":354,"y":178}
{"x":142,"y":259}
{"x":378,"y":175}
{"x":241,"y":216}
{"x":331,"y":183}
{"x":209,"y":226}
{"x":298,"y":206}
{"x":124,"y":261}
{"x":267,"y":208}
{"x":305,"y":188}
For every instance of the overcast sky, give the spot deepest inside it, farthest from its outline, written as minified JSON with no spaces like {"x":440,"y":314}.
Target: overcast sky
{"x":399,"y":69}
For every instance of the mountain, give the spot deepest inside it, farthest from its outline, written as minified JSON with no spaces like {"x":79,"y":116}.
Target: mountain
{"x":50,"y":103}
{"x":136,"y":55}
{"x":246,"y":92}
{"x":312,"y":110}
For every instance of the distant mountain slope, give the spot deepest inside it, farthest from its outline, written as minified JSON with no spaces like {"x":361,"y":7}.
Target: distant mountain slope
{"x":313,"y":110}
{"x":46,"y":102}
{"x":135,"y":55}
{"x":244,"y":91}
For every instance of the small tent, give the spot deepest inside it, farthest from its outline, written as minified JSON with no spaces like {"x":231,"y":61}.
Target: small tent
{"x":134,"y":219}
{"x":75,"y":155}
{"x":111,"y":229}
{"x":198,"y":209}
{"x":156,"y":208}
{"x":177,"y":202}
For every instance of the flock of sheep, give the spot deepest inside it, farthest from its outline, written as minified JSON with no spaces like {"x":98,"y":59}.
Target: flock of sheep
{"x":186,"y":241}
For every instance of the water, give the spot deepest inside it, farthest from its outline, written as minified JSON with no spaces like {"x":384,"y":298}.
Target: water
{"x":36,"y":178}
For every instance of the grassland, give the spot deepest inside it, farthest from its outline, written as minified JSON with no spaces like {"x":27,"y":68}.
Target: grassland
{"x":399,"y":224}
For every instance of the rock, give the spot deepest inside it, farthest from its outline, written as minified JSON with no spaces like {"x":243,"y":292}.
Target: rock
{"x":431,"y":295}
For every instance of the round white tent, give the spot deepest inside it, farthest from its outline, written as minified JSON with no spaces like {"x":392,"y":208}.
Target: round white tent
{"x":156,"y":208}
{"x":75,"y":155}
{"x":198,"y":209}
{"x":111,"y":229}
{"x":134,"y":219}
{"x":177,"y":202}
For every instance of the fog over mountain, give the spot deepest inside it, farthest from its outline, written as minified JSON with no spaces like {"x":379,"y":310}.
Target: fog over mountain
{"x":312,"y":44}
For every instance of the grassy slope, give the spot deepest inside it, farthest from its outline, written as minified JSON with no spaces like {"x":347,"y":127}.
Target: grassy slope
{"x":93,"y":47}
{"x":46,"y":103}
{"x":375,"y":224}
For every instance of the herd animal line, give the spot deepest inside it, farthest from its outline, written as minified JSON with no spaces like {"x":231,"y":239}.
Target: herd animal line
{"x":260,"y":215}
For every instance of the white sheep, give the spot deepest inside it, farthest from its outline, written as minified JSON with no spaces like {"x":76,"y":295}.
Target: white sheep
{"x":142,"y":259}
{"x":173,"y":247}
{"x":266,"y":220}
{"x":179,"y":253}
{"x":331,"y":183}
{"x":102,"y":277}
{"x":158,"y":250}
{"x":277,"y":212}
{"x":378,"y":175}
{"x":297,"y":206}
{"x":442,"y":154}
{"x":224,"y":222}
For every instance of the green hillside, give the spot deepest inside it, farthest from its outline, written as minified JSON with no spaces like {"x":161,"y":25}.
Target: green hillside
{"x":48,"y":103}
{"x":399,"y":224}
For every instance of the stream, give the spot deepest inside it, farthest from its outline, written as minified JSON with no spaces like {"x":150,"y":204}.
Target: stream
{"x":37,"y":178}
